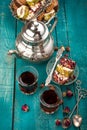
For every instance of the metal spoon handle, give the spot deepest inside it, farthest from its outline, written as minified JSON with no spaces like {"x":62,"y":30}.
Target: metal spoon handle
{"x":75,"y":106}
{"x":78,"y":87}
{"x":51,"y":72}
{"x":58,"y":56}
{"x":78,"y":100}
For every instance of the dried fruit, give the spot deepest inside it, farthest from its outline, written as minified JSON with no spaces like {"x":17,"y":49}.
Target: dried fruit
{"x":67,"y":49}
{"x":66,"y":122}
{"x":66,"y":55}
{"x":42,"y":85}
{"x":68,"y":63}
{"x":55,"y":48}
{"x":73,"y":77}
{"x":64,"y":94}
{"x":58,"y":122}
{"x":61,"y":102}
{"x":25,"y":108}
{"x":66,"y":110}
{"x":51,"y":87}
{"x":69,"y":93}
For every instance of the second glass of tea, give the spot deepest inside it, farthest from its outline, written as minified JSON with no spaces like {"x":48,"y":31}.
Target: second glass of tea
{"x":27,"y":78}
{"x":50,"y":99}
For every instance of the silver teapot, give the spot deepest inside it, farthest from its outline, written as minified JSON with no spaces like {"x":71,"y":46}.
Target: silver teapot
{"x":35,"y":42}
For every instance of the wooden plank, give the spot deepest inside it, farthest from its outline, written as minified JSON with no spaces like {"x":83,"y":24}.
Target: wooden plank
{"x":6,"y":93}
{"x":5,"y":3}
{"x":67,"y":33}
{"x":61,"y":25}
{"x":77,"y":27}
{"x":35,"y":119}
{"x":63,"y":39}
{"x":7,"y":35}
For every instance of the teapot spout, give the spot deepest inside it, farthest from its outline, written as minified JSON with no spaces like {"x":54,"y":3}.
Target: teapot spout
{"x":10,"y":52}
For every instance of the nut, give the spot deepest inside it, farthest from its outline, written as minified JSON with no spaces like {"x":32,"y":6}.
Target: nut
{"x":67,"y":49}
{"x":42,"y":85}
{"x":55,"y":48}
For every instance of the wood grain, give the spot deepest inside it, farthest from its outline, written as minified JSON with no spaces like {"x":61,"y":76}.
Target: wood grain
{"x":71,"y":30}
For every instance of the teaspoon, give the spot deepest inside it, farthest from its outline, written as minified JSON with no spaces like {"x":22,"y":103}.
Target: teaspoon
{"x":77,"y":119}
{"x":66,"y":122}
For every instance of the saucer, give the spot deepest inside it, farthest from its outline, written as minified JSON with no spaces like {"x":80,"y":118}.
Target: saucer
{"x":50,"y":65}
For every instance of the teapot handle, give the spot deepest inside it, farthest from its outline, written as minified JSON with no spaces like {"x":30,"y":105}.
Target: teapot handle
{"x":54,"y":24}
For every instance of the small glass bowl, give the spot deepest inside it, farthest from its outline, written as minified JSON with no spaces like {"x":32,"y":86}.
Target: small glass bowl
{"x":50,"y":65}
{"x":50,"y":98}
{"x":27,"y":78}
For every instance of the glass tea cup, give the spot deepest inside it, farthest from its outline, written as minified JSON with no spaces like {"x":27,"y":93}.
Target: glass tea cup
{"x":27,"y":78}
{"x":50,"y":99}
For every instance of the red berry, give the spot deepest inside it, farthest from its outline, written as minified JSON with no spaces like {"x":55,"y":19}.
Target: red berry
{"x":58,"y":122}
{"x":61,"y":102}
{"x":73,"y":77}
{"x":69,"y":93}
{"x":55,"y":77}
{"x":42,"y":85}
{"x":67,"y":48}
{"x":66,"y":55}
{"x":25,"y":108}
{"x":66,"y":110}
{"x":55,"y":48}
{"x":67,"y":122}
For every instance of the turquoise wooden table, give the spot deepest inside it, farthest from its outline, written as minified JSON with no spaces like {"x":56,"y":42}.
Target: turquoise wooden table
{"x":71,"y":30}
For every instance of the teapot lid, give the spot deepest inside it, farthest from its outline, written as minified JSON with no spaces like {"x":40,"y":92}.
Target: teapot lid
{"x":35,"y":32}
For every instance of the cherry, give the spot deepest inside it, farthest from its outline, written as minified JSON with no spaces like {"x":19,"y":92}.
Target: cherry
{"x":25,"y":108}
{"x":58,"y":122}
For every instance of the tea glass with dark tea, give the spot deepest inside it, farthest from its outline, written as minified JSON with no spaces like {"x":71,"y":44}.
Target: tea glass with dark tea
{"x":27,"y":78}
{"x":50,"y":99}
